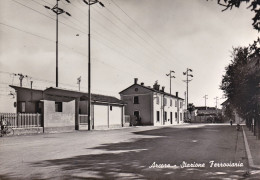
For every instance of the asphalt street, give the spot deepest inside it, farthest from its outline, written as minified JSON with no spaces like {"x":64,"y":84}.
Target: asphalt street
{"x":169,"y":152}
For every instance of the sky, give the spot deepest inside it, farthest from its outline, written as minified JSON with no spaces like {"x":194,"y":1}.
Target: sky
{"x":142,"y":39}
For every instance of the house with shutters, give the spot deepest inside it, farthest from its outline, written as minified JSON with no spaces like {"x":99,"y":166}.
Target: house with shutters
{"x":151,"y":105}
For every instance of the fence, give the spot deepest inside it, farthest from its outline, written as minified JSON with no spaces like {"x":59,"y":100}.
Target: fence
{"x":22,"y":120}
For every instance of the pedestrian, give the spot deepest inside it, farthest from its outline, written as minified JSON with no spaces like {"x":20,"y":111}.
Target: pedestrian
{"x":231,"y":122}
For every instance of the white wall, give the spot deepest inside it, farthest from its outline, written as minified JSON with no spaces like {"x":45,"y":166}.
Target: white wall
{"x":100,"y":115}
{"x":115,"y":115}
{"x":59,"y":119}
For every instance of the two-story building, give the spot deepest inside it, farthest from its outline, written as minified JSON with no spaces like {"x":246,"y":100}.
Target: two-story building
{"x":152,"y":106}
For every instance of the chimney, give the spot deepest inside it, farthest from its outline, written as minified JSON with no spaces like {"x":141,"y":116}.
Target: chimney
{"x":142,"y":83}
{"x":163,"y":88}
{"x":136,"y":79}
{"x":177,"y":94}
{"x":156,"y":86}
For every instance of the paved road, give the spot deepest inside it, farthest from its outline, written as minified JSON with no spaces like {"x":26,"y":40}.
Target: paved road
{"x":130,"y":153}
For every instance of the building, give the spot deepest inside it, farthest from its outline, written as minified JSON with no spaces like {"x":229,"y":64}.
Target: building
{"x":152,"y":106}
{"x":205,"y":114}
{"x":66,"y":110}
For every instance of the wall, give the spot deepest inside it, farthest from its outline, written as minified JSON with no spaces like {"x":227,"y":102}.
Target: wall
{"x":30,"y":97}
{"x":167,"y":108}
{"x":59,"y":121}
{"x":100,"y":115}
{"x":115,"y":116}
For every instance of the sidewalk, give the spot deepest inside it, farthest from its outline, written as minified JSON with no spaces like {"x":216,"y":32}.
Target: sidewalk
{"x":252,"y":148}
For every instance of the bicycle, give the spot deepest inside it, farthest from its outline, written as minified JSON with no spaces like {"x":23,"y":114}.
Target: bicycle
{"x":5,"y":128}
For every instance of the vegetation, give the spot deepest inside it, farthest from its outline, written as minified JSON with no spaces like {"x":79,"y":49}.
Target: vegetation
{"x":241,"y":82}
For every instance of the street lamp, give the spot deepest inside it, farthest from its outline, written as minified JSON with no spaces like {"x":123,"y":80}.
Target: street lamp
{"x":57,"y":11}
{"x":187,"y":81}
{"x":170,"y":74}
{"x":89,"y":3}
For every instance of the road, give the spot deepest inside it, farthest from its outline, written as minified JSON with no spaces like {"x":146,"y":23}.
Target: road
{"x":129,"y":153}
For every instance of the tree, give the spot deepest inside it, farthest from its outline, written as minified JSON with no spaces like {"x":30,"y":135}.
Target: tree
{"x":241,"y":82}
{"x":253,"y":4}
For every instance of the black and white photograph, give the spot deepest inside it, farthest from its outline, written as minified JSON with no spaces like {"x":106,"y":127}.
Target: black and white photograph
{"x":129,"y":89}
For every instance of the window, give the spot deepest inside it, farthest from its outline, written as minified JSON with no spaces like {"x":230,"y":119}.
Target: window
{"x":136,"y":114}
{"x":181,"y":116}
{"x":171,"y":102}
{"x":158,"y":116}
{"x":111,"y":108}
{"x":176,"y":115}
{"x":181,"y":104}
{"x":58,"y":106}
{"x":164,"y":101}
{"x":175,"y":103}
{"x":23,"y":106}
{"x":165,"y":116}
{"x":157,"y":100}
{"x":136,"y":100}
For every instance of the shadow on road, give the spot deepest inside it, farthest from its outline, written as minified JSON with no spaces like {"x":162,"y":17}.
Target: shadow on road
{"x":131,"y":160}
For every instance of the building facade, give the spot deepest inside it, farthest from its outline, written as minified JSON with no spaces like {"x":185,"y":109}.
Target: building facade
{"x":152,"y":106}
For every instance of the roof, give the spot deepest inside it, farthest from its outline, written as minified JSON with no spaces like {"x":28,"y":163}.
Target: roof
{"x":205,"y":108}
{"x":153,"y":90}
{"x":71,"y":94}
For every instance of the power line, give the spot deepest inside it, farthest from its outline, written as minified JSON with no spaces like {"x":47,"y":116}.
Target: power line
{"x":140,"y":26}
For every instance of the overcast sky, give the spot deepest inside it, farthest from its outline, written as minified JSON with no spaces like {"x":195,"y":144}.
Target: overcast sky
{"x":142,"y":39}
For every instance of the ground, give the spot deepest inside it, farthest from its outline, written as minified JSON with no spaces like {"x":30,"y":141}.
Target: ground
{"x":128,"y":153}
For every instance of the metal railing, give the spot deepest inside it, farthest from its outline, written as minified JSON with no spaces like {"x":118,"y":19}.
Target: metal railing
{"x":22,"y":120}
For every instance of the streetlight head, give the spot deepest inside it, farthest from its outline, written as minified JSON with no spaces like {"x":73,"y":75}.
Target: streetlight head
{"x":47,"y":7}
{"x":190,"y":75}
{"x":68,"y":13}
{"x":67,"y":1}
{"x":101,"y":4}
{"x":85,"y":2}
{"x":190,"y":70}
{"x":173,"y":71}
{"x":184,"y":73}
{"x":167,"y":74}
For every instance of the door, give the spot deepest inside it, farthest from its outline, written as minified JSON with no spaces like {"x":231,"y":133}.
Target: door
{"x":171,"y":117}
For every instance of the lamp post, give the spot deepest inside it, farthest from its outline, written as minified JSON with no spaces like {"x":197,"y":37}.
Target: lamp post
{"x":187,"y":81}
{"x":57,"y":11}
{"x":170,"y":75}
{"x":89,"y":3}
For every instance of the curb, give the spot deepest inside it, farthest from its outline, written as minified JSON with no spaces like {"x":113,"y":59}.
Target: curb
{"x":248,"y":152}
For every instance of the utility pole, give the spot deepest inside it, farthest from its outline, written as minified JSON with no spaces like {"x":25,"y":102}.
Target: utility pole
{"x":170,"y":75}
{"x":79,"y":80}
{"x":205,"y":97}
{"x":21,"y":76}
{"x":89,"y":3}
{"x":187,"y":81}
{"x":57,"y":11}
{"x":216,"y":98}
